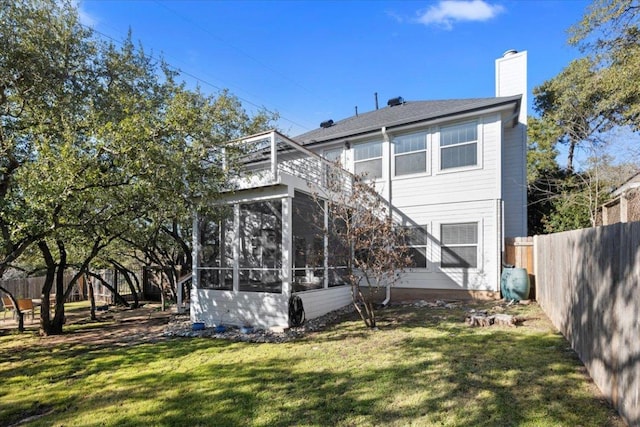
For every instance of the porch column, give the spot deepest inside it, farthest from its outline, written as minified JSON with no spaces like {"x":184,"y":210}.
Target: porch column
{"x":274,"y":156}
{"x":236,"y":247}
{"x":287,"y":264}
{"x":326,"y":243}
{"x":195,"y":263}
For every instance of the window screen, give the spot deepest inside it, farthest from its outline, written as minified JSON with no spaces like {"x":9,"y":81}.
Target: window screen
{"x":368,"y":159}
{"x":459,"y":244}
{"x":459,"y":145}
{"x":410,"y":154}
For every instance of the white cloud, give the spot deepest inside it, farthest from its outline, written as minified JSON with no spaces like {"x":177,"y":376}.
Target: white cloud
{"x":447,"y":12}
{"x":84,"y":16}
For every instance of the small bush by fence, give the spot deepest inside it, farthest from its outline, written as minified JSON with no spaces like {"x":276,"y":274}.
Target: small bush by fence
{"x":587,"y":283}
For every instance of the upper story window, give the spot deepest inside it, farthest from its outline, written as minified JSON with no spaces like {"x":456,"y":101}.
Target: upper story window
{"x":459,"y":245}
{"x":368,"y":159}
{"x":410,"y":154}
{"x":459,"y":145}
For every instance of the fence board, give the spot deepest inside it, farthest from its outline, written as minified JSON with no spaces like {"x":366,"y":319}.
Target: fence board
{"x":587,"y":283}
{"x":519,"y":253}
{"x":31,"y":287}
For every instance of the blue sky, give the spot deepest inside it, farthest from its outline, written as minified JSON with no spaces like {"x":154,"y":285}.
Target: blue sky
{"x":313,"y":61}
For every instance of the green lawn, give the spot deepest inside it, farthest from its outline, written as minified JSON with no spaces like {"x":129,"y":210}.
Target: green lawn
{"x":422,"y":367}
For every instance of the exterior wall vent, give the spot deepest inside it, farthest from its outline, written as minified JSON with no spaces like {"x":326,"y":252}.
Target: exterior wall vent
{"x":395,"y":101}
{"x":326,"y":124}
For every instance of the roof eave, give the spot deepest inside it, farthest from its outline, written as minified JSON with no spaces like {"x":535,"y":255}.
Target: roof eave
{"x":498,"y":106}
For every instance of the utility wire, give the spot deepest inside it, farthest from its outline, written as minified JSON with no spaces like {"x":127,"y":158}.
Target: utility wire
{"x":220,"y":39}
{"x":200,"y":80}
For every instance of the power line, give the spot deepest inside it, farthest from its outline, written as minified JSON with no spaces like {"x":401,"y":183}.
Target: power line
{"x":241,"y":51}
{"x":200,"y":80}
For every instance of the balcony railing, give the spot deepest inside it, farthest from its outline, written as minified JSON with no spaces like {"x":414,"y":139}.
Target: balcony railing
{"x":269,"y":156}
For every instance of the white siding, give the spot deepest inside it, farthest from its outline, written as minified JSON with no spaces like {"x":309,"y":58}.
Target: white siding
{"x":511,"y":79}
{"x":321,"y":301}
{"x":482,"y":278}
{"x":514,"y":181}
{"x":471,"y":194}
{"x":457,"y":185}
{"x":259,"y":309}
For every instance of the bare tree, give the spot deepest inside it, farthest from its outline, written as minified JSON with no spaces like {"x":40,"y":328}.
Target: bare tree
{"x":361,"y":230}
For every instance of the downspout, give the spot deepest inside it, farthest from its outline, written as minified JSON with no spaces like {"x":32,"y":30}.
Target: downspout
{"x":387,"y":141}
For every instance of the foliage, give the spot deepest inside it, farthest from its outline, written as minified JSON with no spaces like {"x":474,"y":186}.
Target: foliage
{"x":569,"y":109}
{"x":375,"y":246}
{"x":609,"y":32}
{"x":422,"y":367}
{"x":583,"y":107}
{"x":101,"y":145}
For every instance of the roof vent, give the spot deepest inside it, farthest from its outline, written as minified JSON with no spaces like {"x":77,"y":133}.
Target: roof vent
{"x":395,"y":101}
{"x":326,"y":124}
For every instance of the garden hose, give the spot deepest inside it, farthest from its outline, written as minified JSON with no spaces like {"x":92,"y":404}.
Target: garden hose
{"x":296,"y":311}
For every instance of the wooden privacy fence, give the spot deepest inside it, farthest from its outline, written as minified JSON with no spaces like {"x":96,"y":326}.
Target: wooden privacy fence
{"x":518,"y":252}
{"x":31,"y":287}
{"x":587,"y":283}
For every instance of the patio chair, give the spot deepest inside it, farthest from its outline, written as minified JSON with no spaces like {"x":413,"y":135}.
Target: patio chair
{"x":8,"y":307}
{"x":26,"y":305}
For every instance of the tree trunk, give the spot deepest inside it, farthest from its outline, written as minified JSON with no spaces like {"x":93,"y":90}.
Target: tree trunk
{"x":45,"y":312}
{"x":92,"y":298}
{"x":116,"y":295}
{"x":126,"y":273}
{"x":57,"y":323}
{"x":363,"y":307}
{"x":19,"y":314}
{"x":572,"y":147}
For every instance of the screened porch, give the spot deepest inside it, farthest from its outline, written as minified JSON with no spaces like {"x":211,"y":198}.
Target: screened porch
{"x":269,"y":239}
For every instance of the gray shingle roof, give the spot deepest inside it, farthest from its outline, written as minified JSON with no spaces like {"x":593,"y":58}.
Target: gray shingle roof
{"x":409,"y":112}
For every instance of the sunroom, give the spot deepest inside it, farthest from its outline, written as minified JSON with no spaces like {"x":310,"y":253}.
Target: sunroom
{"x":266,"y":242}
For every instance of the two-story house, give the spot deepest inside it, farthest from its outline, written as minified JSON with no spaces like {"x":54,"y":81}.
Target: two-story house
{"x":454,"y":169}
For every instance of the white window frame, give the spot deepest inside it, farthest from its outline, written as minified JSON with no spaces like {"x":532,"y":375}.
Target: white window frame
{"x":478,"y":142}
{"x":477,"y":245}
{"x":380,"y":158}
{"x":426,"y":151}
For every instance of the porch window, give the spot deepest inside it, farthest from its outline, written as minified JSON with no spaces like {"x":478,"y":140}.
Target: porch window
{"x":410,"y":154}
{"x":368,"y":159}
{"x":417,"y":238}
{"x":308,"y":243}
{"x":459,"y":245}
{"x":339,"y":254}
{"x":216,"y":253}
{"x":260,"y":238}
{"x":459,"y":145}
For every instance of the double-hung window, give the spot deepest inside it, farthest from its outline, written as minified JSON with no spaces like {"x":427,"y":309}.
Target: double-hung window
{"x":459,"y":145}
{"x":416,"y":238}
{"x":410,"y":154}
{"x":459,"y":245}
{"x":368,"y":159}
